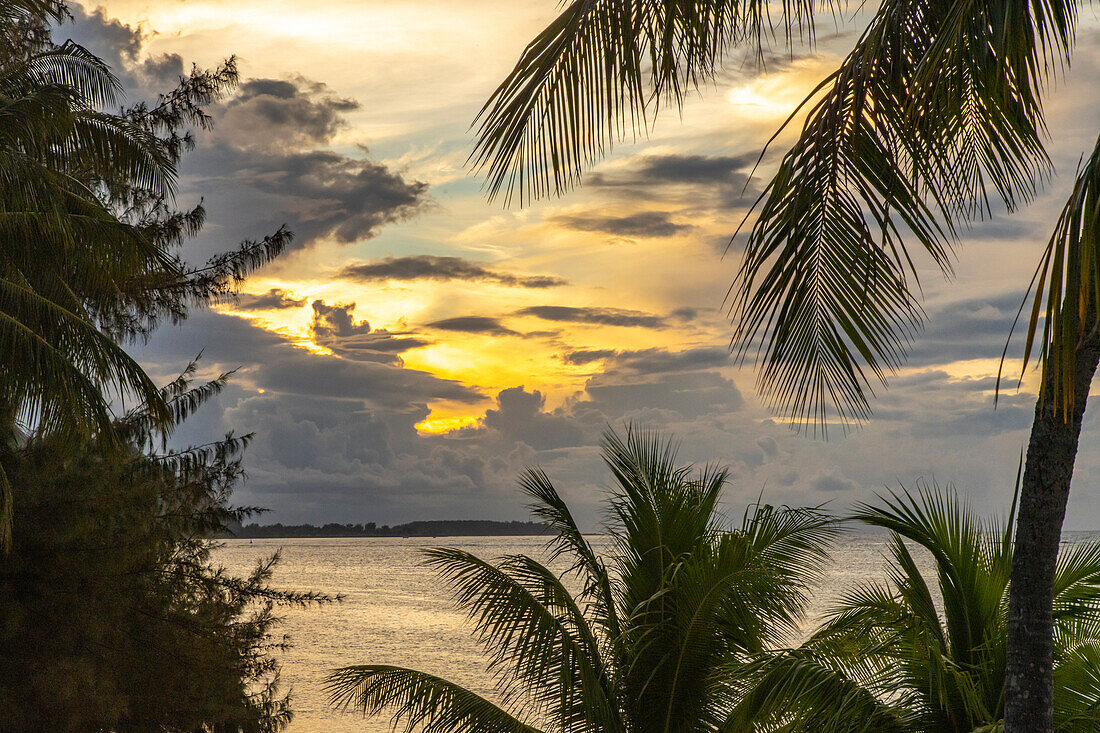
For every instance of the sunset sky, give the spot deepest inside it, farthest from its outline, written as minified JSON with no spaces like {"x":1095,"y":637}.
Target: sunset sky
{"x":418,"y":346}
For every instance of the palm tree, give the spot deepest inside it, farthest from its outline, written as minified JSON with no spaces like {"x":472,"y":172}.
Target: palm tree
{"x":934,"y":118}
{"x":88,"y":233}
{"x":64,"y":255}
{"x":891,"y":659}
{"x":636,"y":649}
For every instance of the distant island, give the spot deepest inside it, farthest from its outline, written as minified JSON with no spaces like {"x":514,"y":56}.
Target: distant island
{"x":437,"y":528}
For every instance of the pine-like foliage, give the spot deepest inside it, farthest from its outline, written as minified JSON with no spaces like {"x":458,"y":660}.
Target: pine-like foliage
{"x":637,"y":646}
{"x":891,"y":657}
{"x":113,"y":613}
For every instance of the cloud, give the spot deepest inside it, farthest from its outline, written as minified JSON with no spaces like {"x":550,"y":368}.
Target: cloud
{"x":429,"y":267}
{"x":595,"y":316}
{"x":264,"y":156}
{"x":335,"y":328}
{"x":473,"y":324}
{"x":644,"y":224}
{"x":687,"y":394}
{"x":660,"y":361}
{"x":281,"y":113}
{"x":336,"y":320}
{"x":520,"y":415}
{"x":263,"y":163}
{"x":833,"y":481}
{"x":318,"y":193}
{"x":587,"y":356}
{"x":685,"y":314}
{"x":716,"y":181}
{"x":651,"y":361}
{"x":663,"y":169}
{"x":274,"y":299}
{"x":120,"y":46}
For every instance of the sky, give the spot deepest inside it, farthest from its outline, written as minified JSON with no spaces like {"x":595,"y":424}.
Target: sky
{"x":418,"y":347}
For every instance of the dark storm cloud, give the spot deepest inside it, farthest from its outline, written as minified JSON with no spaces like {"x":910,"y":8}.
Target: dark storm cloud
{"x":318,"y":193}
{"x":336,"y":320}
{"x":688,"y":394}
{"x":282,"y":112}
{"x":721,"y":181}
{"x":660,"y":361}
{"x":968,"y":329}
{"x":274,"y":299}
{"x":335,"y":328}
{"x":261,"y":166}
{"x":685,"y":314}
{"x":932,"y":405}
{"x":108,"y":38}
{"x":430,"y":267}
{"x":380,"y":385}
{"x":519,"y":414}
{"x":595,"y":316}
{"x":651,"y":361}
{"x":473,"y":324}
{"x":657,"y":169}
{"x":325,"y":460}
{"x":644,"y":224}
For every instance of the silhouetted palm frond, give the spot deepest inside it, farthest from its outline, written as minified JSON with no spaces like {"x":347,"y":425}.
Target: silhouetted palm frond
{"x":678,"y":596}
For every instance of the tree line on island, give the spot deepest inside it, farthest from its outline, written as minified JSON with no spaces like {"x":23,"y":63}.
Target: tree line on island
{"x":422,"y":528}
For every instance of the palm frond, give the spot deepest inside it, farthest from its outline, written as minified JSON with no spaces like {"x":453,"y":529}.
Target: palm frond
{"x":549,"y":507}
{"x":924,"y":122}
{"x":1066,"y":287}
{"x":419,"y":701}
{"x":600,"y":72}
{"x":794,"y":693}
{"x":1077,"y":690}
{"x":541,"y":647}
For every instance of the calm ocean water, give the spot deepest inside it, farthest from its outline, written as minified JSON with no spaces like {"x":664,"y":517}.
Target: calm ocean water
{"x":396,"y":612}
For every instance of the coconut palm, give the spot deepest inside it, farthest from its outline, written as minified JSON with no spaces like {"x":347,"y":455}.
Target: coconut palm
{"x":934,"y":119}
{"x":894,"y":657}
{"x":636,"y":646}
{"x":64,"y":254}
{"x":88,"y":233}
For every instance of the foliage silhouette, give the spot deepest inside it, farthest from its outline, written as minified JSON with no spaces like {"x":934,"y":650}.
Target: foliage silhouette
{"x":891,"y":657}
{"x":933,"y":120}
{"x":113,"y":614}
{"x":637,"y":646}
{"x":89,"y":234}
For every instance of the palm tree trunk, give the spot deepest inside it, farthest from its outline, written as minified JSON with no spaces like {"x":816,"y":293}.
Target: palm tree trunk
{"x":1029,"y":684}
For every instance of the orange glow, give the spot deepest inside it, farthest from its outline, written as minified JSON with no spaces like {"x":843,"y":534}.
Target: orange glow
{"x":444,"y":425}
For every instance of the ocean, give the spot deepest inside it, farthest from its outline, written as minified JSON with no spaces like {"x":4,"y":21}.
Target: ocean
{"x":396,"y":611}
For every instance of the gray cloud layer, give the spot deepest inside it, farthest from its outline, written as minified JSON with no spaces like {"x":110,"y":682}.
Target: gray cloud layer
{"x":273,"y":299}
{"x":335,"y":328}
{"x":595,"y":316}
{"x":429,"y":267}
{"x":473,"y":324}
{"x":645,"y":224}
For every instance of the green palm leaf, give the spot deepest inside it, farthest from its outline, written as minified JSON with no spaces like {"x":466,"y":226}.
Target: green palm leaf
{"x":419,"y":701}
{"x":1066,"y":287}
{"x":600,"y":72}
{"x":541,"y":646}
